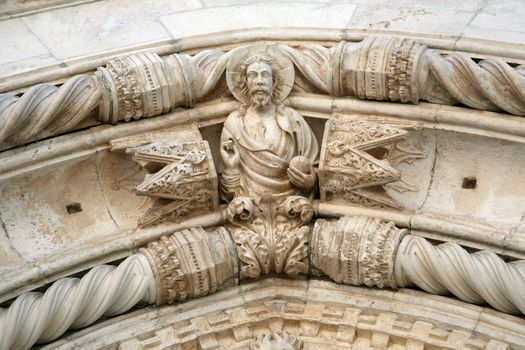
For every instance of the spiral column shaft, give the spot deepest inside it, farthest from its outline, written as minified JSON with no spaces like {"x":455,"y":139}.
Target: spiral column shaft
{"x":187,"y":264}
{"x":105,"y":290}
{"x":490,"y":85}
{"x":480,"y":277}
{"x":46,"y":108}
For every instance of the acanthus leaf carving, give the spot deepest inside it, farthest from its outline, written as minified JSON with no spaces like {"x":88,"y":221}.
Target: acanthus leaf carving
{"x":270,"y":237}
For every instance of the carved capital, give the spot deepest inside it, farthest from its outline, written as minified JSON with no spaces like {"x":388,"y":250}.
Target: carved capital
{"x":191,"y":263}
{"x":136,"y":86}
{"x":356,"y":250}
{"x":382,"y":68}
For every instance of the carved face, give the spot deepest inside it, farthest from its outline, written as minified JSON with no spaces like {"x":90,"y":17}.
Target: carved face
{"x":260,"y":83}
{"x":277,"y":340}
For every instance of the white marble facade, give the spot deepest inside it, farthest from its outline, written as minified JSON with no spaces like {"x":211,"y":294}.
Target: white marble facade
{"x":402,"y":225}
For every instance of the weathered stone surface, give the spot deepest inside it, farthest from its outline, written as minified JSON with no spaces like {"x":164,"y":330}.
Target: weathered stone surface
{"x":70,"y":203}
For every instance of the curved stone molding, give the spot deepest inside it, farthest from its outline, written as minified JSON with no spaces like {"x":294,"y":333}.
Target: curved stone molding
{"x":480,"y":277}
{"x":356,"y":250}
{"x":74,"y":303}
{"x":47,"y":109}
{"x":368,"y":251}
{"x":512,"y":53}
{"x":382,"y":68}
{"x":192,"y":263}
{"x":320,"y":314}
{"x":489,"y":85}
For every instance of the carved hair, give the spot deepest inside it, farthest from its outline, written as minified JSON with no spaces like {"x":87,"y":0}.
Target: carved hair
{"x":276,"y":340}
{"x":276,"y":77}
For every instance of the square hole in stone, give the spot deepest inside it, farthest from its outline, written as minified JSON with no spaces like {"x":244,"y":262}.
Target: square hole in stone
{"x":73,"y":208}
{"x":469,"y":183}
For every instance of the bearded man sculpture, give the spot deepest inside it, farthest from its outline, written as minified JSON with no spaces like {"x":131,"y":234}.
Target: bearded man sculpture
{"x":266,"y":147}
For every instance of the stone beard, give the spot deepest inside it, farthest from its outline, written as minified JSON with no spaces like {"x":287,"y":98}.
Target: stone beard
{"x":262,"y":138}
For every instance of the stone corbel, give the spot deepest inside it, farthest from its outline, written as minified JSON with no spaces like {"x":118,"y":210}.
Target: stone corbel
{"x":146,"y":85}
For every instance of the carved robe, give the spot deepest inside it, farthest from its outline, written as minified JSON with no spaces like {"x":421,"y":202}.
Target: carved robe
{"x":263,"y":167}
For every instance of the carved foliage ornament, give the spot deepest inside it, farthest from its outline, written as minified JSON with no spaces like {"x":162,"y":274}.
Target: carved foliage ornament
{"x":270,"y":237}
{"x":354,"y":165}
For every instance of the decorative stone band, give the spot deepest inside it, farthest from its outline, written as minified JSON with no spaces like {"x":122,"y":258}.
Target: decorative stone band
{"x":356,"y":250}
{"x":378,"y":68}
{"x":381,"y":68}
{"x":136,"y":86}
{"x":105,"y":290}
{"x":192,"y":263}
{"x":489,"y":85}
{"x":475,"y":278}
{"x":276,"y":340}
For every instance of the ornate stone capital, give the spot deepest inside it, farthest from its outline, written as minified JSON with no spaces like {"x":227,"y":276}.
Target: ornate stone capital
{"x":191,"y":263}
{"x":136,"y":86}
{"x":356,"y":250}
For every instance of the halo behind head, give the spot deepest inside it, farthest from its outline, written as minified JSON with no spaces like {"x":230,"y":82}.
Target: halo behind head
{"x":283,"y":67}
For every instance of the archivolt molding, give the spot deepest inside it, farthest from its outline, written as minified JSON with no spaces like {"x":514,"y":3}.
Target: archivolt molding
{"x":314,"y":314}
{"x":271,"y":171}
{"x":378,"y":68}
{"x":192,"y":263}
{"x":294,"y":36}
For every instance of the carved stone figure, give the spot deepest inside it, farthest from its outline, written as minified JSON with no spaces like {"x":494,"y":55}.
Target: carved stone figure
{"x":266,"y":147}
{"x":276,"y":340}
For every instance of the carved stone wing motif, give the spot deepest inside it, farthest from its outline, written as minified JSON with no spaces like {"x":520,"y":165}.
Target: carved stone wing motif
{"x":183,"y":181}
{"x":354,"y":165}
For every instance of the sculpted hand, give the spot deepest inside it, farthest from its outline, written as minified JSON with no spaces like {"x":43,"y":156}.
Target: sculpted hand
{"x":230,"y":155}
{"x":302,"y":174}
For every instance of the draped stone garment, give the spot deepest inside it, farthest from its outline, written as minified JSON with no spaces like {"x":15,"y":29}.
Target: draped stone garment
{"x":263,"y":168}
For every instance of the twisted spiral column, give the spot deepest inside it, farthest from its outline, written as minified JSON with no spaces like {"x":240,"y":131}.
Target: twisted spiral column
{"x":105,"y":290}
{"x":448,"y":268}
{"x":490,"y":84}
{"x":47,"y":108}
